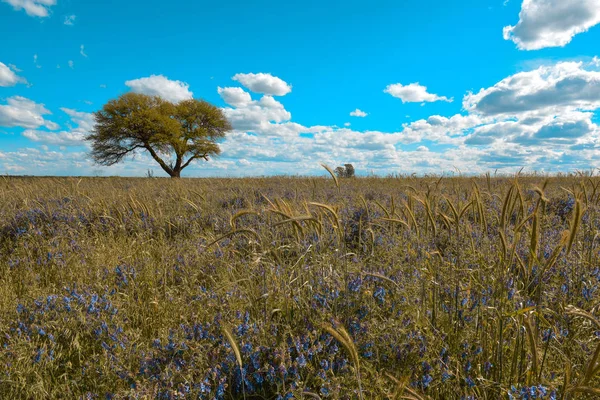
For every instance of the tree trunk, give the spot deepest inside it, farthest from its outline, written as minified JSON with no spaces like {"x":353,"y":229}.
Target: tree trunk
{"x":176,"y":173}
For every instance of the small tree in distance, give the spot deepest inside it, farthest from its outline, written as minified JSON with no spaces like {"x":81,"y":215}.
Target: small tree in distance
{"x":347,"y":171}
{"x":183,"y":132}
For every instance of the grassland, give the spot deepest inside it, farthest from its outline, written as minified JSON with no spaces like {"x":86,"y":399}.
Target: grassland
{"x":279,"y":288}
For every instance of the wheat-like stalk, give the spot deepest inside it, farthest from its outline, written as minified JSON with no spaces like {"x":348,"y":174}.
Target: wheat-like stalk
{"x":531,"y":337}
{"x":342,"y":336}
{"x":234,"y":346}
{"x":332,"y":173}
{"x":574,"y":225}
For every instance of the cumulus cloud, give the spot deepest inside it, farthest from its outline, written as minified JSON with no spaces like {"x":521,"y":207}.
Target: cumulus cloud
{"x":74,"y":137}
{"x":22,"y":112}
{"x":63,"y":138}
{"x":565,"y":129}
{"x":33,"y":8}
{"x":552,"y":23}
{"x":546,"y":123}
{"x":548,"y":89}
{"x":235,"y":96}
{"x":159,"y":85}
{"x":440,"y":129}
{"x":41,"y":161}
{"x":82,"y":50}
{"x":84,"y":120}
{"x":250,"y":115}
{"x":266,"y":137}
{"x":264,"y":84}
{"x":549,"y":110}
{"x":358,"y":113}
{"x":488,"y":134}
{"x":8,"y":77}
{"x":543,"y":119}
{"x":51,"y":125}
{"x":414,"y":93}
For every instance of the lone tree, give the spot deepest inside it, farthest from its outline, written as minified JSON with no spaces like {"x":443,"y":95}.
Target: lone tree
{"x":347,"y":171}
{"x":173,"y":134}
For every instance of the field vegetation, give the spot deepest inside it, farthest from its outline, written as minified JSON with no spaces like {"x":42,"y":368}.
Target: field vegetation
{"x":306,"y":288}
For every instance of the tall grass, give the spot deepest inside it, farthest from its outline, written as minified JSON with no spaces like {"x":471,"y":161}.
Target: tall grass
{"x":278,"y":288}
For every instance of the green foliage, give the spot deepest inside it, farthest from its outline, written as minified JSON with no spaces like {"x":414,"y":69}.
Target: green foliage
{"x":186,"y":131}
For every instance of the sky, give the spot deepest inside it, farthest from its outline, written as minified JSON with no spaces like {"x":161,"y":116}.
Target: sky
{"x":392,"y":87}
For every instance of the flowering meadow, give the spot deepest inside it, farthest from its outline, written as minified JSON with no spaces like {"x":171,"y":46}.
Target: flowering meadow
{"x":300,"y":288}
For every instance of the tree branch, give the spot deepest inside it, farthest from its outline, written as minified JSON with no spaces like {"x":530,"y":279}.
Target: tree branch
{"x":194,"y":157}
{"x":110,"y":154}
{"x":159,"y":160}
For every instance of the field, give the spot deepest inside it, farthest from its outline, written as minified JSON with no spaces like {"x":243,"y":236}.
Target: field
{"x":280,"y":288}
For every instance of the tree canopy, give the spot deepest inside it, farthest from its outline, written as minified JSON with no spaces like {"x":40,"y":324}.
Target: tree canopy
{"x":173,"y":134}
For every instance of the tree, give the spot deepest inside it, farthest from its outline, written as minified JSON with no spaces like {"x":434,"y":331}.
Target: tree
{"x":183,"y":132}
{"x":347,"y":171}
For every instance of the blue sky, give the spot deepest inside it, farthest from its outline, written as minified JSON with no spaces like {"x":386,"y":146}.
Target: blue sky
{"x":426,"y":86}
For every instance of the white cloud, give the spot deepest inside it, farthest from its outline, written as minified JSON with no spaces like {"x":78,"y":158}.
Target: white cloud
{"x":263,"y":83}
{"x":235,"y":96}
{"x":8,"y":77}
{"x":549,"y":133}
{"x":41,"y":161}
{"x":71,"y":64}
{"x":543,"y":117}
{"x":347,"y":124}
{"x":33,"y":8}
{"x":70,"y":20}
{"x":565,"y":129}
{"x":552,"y":23}
{"x":74,"y":137}
{"x":548,"y":90}
{"x":414,"y":93}
{"x":552,"y":134}
{"x":159,"y":85}
{"x":51,"y":125}
{"x":22,"y":112}
{"x":85,"y":121}
{"x":251,"y":115}
{"x":440,"y":129}
{"x":82,"y":50}
{"x":358,"y":113}
{"x":63,"y":138}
